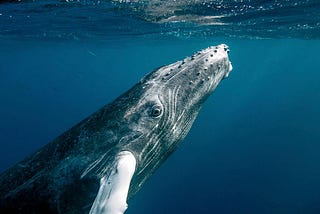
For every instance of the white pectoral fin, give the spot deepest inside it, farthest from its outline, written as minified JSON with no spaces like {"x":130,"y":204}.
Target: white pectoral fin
{"x":113,"y":191}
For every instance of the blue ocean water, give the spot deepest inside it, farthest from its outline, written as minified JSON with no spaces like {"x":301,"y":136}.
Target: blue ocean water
{"x":254,"y":147}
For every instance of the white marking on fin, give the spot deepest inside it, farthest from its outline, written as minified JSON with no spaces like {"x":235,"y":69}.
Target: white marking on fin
{"x":113,"y":191}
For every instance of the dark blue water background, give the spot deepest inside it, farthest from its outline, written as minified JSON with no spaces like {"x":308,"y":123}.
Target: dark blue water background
{"x":255,"y":147}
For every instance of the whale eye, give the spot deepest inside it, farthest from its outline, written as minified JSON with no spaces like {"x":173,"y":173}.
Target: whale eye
{"x":156,"y":111}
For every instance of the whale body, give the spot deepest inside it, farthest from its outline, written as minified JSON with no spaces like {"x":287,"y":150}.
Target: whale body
{"x":100,"y":163}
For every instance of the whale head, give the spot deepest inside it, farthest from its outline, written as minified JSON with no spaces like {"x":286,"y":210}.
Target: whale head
{"x":162,"y":107}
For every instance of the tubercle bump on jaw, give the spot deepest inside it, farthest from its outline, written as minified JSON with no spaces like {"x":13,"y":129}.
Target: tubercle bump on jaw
{"x":207,"y":59}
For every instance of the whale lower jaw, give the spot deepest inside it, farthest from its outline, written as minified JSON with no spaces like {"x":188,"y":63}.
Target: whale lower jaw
{"x":228,"y":72}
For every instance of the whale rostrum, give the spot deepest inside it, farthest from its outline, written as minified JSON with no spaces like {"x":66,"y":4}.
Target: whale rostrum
{"x":100,"y":163}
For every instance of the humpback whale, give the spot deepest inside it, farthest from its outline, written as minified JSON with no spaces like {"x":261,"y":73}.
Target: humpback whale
{"x":100,"y":163}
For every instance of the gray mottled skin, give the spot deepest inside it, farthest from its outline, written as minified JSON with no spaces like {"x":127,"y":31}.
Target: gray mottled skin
{"x":149,"y":120}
